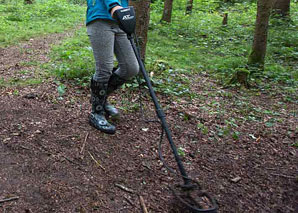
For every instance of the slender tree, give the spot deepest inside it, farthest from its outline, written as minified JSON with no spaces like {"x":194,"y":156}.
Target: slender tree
{"x":167,"y":11}
{"x":225,"y":19}
{"x":28,"y":1}
{"x":257,"y":55}
{"x":281,"y":8}
{"x":189,"y":6}
{"x":259,"y":46}
{"x":142,"y":8}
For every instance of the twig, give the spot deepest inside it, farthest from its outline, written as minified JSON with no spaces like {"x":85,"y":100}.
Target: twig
{"x":65,"y":136}
{"x":146,"y":166}
{"x":271,"y":168}
{"x":2,"y":93}
{"x":209,"y":170}
{"x":84,"y":143}
{"x":124,"y":208}
{"x":143,"y":204}
{"x":43,"y":94}
{"x":124,"y":188}
{"x":9,"y":199}
{"x":69,"y":160}
{"x":285,"y":176}
{"x":129,"y":201}
{"x":141,"y":199}
{"x":24,"y":147}
{"x":97,"y":163}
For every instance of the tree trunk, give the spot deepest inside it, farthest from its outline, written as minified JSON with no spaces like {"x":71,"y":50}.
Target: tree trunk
{"x":281,"y":8}
{"x":189,"y":6}
{"x":259,"y":46}
{"x":167,"y":11}
{"x":225,"y":19}
{"x":142,"y":8}
{"x":28,"y":1}
{"x":241,"y":77}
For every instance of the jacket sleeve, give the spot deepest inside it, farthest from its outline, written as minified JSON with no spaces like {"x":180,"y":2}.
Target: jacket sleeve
{"x":111,"y":3}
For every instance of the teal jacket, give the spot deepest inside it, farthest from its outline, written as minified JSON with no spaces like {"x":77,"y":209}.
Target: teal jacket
{"x":100,"y":9}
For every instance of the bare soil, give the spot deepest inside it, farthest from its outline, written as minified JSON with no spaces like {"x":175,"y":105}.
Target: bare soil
{"x":52,"y":160}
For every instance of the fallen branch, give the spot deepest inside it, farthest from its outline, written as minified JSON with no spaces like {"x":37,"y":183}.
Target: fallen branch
{"x":285,"y":176}
{"x":9,"y":199}
{"x":143,"y":204}
{"x":124,"y":188}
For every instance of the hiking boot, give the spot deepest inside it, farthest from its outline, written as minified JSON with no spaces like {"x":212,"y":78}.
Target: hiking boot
{"x":97,"y":117}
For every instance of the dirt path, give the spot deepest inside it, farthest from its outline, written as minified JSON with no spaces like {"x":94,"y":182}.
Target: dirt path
{"x":53,"y":161}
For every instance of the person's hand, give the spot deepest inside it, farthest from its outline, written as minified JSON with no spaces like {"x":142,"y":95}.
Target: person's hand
{"x":114,"y":9}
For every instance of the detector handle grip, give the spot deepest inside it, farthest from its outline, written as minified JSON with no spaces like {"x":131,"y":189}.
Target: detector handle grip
{"x":126,"y":19}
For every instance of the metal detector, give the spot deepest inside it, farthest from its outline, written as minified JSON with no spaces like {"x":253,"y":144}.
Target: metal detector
{"x":189,"y":193}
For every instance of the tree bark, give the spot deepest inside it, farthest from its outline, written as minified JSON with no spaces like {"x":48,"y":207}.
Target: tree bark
{"x":259,"y":46}
{"x":28,"y":1}
{"x":167,"y":11}
{"x":189,"y":6}
{"x":281,"y":8}
{"x":225,"y":19}
{"x":142,"y":8}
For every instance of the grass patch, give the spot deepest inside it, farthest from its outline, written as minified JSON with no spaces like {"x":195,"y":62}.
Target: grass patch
{"x":21,"y":22}
{"x":15,"y":82}
{"x":73,"y":59}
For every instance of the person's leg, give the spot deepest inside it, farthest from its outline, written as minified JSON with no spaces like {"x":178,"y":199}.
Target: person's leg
{"x":101,"y":37}
{"x":128,"y":64}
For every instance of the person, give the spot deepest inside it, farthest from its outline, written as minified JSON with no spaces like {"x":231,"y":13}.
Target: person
{"x":107,"y":39}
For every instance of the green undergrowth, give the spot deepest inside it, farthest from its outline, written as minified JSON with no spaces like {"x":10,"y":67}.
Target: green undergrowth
{"x":73,"y":59}
{"x":178,"y":52}
{"x":199,"y":42}
{"x":21,"y":22}
{"x":16,"y":82}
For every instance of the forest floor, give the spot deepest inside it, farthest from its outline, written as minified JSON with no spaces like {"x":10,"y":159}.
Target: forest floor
{"x":52,"y":160}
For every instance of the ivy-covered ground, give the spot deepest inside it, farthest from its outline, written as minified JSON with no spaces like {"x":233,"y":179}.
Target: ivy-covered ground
{"x":240,"y":144}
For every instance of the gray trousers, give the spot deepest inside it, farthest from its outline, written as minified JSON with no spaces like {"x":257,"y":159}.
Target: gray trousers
{"x":107,"y":39}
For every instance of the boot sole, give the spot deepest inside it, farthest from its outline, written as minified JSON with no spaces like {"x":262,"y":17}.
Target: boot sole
{"x":102,"y":130}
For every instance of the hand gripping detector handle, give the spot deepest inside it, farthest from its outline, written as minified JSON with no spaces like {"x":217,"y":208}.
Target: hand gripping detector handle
{"x":127,"y":19}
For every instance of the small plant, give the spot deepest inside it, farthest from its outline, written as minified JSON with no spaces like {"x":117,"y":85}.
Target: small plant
{"x":236,"y":135}
{"x":61,"y":88}
{"x":203,"y":128}
{"x":16,"y":92}
{"x":181,"y":152}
